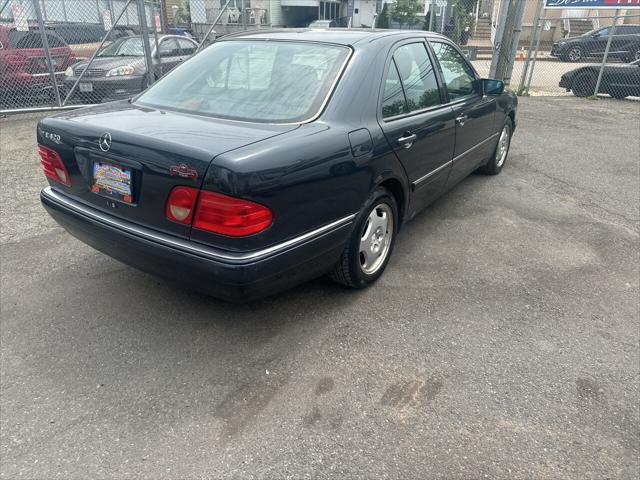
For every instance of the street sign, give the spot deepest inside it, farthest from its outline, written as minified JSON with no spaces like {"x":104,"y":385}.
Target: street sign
{"x":588,"y":4}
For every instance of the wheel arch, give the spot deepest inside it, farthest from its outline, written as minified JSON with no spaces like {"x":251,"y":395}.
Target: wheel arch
{"x":400,"y":194}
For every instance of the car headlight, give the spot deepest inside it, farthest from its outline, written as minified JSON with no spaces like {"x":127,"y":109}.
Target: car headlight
{"x":68,"y":72}
{"x":118,"y":71}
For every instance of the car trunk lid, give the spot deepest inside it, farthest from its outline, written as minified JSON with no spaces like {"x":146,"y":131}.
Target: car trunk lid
{"x":157,"y":149}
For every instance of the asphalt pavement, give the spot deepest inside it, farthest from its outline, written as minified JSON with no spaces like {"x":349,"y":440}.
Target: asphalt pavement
{"x":501,"y":342}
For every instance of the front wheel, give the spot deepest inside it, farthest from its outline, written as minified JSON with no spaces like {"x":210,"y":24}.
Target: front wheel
{"x":369,"y":248}
{"x":573,"y":54}
{"x":497,"y":161}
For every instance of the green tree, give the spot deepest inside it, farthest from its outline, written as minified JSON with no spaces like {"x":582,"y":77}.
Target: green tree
{"x":426,"y":25}
{"x":462,"y":18}
{"x":405,"y":12}
{"x":383,"y":19}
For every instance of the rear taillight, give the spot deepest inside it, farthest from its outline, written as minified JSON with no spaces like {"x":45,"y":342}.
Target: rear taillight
{"x":217,"y":213}
{"x":181,"y":204}
{"x":230,"y":216}
{"x":53,"y":166}
{"x":16,"y":61}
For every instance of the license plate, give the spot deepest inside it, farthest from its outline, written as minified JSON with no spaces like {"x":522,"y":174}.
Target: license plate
{"x":86,"y":87}
{"x":112,"y":181}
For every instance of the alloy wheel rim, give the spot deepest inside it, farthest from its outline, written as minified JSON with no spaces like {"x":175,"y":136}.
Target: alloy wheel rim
{"x":503,"y":146}
{"x":375,"y":239}
{"x":575,"y":54}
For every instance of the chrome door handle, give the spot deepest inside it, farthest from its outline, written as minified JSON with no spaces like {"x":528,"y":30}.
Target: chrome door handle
{"x":461,"y":119}
{"x":407,"y":141}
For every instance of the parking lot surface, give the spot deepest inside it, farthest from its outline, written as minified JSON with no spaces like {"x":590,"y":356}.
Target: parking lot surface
{"x":501,"y":342}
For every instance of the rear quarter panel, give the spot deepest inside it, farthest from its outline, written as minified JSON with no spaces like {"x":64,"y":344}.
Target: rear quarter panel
{"x":308,"y":178}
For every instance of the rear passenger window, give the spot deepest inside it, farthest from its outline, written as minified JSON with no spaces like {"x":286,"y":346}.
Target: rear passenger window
{"x":458,"y":75}
{"x":393,"y":102}
{"x":417,"y":76}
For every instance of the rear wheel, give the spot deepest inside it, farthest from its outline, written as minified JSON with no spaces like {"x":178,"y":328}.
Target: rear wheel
{"x":584,"y":84}
{"x":369,"y":248}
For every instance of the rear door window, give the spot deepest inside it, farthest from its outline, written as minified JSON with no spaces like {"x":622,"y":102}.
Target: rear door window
{"x":417,"y":76}
{"x":186,"y":47}
{"x":168,"y":48}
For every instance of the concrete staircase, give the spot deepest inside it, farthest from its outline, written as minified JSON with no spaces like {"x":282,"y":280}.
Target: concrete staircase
{"x":481,"y":37}
{"x":579,"y":26}
{"x":482,"y":30}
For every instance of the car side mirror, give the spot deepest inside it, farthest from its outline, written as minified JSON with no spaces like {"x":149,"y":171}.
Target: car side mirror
{"x":491,"y":86}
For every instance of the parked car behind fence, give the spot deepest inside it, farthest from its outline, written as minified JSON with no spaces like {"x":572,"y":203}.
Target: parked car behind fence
{"x":120,"y":71}
{"x":84,"y":38}
{"x":625,"y":44}
{"x":23,"y":65}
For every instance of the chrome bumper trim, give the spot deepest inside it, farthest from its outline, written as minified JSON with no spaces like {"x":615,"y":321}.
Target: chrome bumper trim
{"x":186,"y":245}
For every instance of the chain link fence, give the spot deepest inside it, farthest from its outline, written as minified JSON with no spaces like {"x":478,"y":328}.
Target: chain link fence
{"x":64,"y":53}
{"x":584,"y":56}
{"x":58,"y":53}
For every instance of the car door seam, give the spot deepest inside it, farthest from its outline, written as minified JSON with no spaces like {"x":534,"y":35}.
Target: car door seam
{"x":422,"y":179}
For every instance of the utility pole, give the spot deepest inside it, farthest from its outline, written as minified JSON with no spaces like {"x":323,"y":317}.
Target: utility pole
{"x":47,"y":52}
{"x":506,"y":42}
{"x":535,"y":38}
{"x":432,"y":15}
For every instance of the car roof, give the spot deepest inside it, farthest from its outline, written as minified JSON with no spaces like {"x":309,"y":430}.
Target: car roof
{"x":341,"y":36}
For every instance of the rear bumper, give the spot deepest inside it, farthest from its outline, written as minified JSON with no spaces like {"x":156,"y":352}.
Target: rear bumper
{"x":232,"y":276}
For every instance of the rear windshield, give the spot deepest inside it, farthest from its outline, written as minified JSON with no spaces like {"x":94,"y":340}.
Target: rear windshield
{"x":252,"y":80}
{"x":33,"y":39}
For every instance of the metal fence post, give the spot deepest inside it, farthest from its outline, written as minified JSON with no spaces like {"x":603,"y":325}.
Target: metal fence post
{"x":144,"y":32}
{"x":606,"y":52}
{"x":210,"y":29}
{"x":535,"y":57}
{"x":47,"y":52}
{"x":534,"y":36}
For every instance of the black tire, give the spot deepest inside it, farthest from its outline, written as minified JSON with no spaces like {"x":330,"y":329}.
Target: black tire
{"x":573,"y":54}
{"x":494,"y":166}
{"x":584,"y":84}
{"x":349,"y":271}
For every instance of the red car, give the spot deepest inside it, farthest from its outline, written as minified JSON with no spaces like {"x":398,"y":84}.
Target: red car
{"x":23,"y":67}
